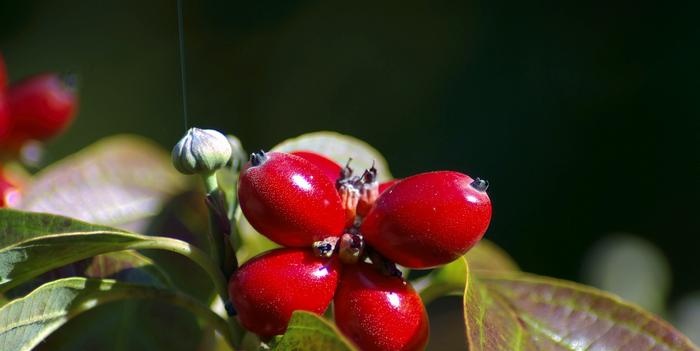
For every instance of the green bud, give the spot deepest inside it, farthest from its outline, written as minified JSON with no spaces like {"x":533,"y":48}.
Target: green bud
{"x":201,"y":151}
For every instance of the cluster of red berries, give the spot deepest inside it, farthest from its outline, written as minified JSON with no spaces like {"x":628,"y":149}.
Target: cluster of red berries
{"x":342,"y":234}
{"x":35,"y":108}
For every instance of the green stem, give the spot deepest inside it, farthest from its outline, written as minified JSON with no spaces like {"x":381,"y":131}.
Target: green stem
{"x":219,"y":226}
{"x":234,"y":237}
{"x":221,"y":231}
{"x":210,"y":182}
{"x":233,"y":202}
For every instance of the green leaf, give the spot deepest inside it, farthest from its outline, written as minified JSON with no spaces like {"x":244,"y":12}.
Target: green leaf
{"x":307,"y":331}
{"x":451,"y":278}
{"x":126,"y":325}
{"x":128,"y":266}
{"x":187,"y":216}
{"x":33,"y":243}
{"x":25,"y":322}
{"x":121,"y":181}
{"x":339,"y":148}
{"x":487,"y":256}
{"x":518,"y":311}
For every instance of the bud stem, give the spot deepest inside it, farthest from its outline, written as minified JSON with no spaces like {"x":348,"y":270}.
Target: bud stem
{"x":219,"y":237}
{"x":211,"y":184}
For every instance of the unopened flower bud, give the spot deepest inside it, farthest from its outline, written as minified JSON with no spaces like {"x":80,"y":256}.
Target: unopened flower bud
{"x":201,"y":151}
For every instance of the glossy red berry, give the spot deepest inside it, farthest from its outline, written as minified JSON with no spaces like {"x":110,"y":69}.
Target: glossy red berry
{"x":41,"y":106}
{"x":268,"y":288}
{"x":328,"y":166}
{"x":379,"y":312}
{"x":428,"y":219}
{"x":289,"y":200}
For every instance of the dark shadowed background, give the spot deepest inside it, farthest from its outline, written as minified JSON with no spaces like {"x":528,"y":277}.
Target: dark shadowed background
{"x":582,"y":114}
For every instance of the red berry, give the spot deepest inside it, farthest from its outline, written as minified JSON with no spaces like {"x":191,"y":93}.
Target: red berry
{"x":379,"y":312}
{"x":3,"y":75}
{"x":4,"y":116}
{"x":41,"y":107}
{"x":329,"y":167}
{"x":289,"y":200}
{"x":428,"y":219}
{"x":269,"y":287}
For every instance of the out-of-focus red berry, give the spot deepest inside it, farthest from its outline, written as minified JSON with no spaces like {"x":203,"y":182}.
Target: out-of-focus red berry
{"x":3,"y":74}
{"x":41,"y":106}
{"x":4,"y":117}
{"x":4,"y":110}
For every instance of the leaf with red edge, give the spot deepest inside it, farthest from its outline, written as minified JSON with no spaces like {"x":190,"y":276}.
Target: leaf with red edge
{"x":518,"y":311}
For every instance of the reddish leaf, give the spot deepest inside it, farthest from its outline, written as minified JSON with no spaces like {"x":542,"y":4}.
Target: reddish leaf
{"x":518,"y":311}
{"x":120,"y":181}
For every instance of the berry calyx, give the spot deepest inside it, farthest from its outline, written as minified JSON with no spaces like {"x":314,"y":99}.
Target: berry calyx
{"x":257,"y":158}
{"x":329,"y":167}
{"x":289,"y":200}
{"x":369,"y":191}
{"x":379,"y":312}
{"x":357,"y":193}
{"x":325,"y":247}
{"x":41,"y":106}
{"x":428,"y":219}
{"x":351,"y":248}
{"x":269,"y":287}
{"x":349,"y":199}
{"x":480,"y":185}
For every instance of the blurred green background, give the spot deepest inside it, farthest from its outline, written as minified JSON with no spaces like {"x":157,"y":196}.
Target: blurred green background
{"x":583,"y":114}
